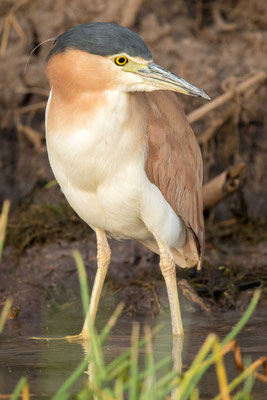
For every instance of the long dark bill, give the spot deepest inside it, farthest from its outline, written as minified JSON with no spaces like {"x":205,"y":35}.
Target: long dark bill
{"x":157,"y":76}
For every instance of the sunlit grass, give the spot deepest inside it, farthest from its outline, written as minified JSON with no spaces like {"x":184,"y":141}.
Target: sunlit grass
{"x":3,"y":225}
{"x":21,"y":390}
{"x":123,"y":379}
{"x":4,"y":314}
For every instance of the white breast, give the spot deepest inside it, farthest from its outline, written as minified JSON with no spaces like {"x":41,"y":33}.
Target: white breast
{"x":100,"y":168}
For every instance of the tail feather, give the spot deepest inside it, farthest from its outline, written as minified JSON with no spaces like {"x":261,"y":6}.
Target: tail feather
{"x":185,"y":257}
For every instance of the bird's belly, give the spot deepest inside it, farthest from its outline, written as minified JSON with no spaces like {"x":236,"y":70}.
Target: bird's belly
{"x":125,"y":204}
{"x":104,"y":193}
{"x":114,"y":206}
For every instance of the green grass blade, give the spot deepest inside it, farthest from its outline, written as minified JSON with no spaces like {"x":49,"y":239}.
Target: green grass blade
{"x":83,"y":395}
{"x":195,"y":394}
{"x":166,"y":379}
{"x":248,"y":385}
{"x":127,"y":353}
{"x":239,"y":396}
{"x":133,"y":388}
{"x":170,"y":388}
{"x":3,"y":225}
{"x":191,"y":374}
{"x":99,"y":368}
{"x":118,"y":371}
{"x":148,"y":391}
{"x":160,"y":364}
{"x":245,"y":394}
{"x":21,"y":384}
{"x":4,"y":313}
{"x":50,"y":184}
{"x":118,"y":389}
{"x":185,"y":390}
{"x":111,"y":322}
{"x":242,"y":322}
{"x":203,"y":352}
{"x":61,"y":393}
{"x":239,"y":379}
{"x":83,"y":281}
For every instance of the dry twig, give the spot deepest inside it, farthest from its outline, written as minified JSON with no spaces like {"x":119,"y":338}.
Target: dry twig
{"x":33,"y":136}
{"x":33,"y":90}
{"x":129,"y":13}
{"x":5,"y":35}
{"x":18,"y":28}
{"x":192,"y":295}
{"x":31,"y":107}
{"x":10,"y":20}
{"x":205,"y":136}
{"x":220,"y":24}
{"x":222,"y":185}
{"x":200,"y":112}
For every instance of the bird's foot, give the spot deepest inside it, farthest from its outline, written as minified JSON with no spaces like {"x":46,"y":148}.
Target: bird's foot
{"x":81,"y":337}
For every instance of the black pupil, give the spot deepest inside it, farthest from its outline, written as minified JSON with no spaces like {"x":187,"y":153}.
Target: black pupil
{"x":121,"y":60}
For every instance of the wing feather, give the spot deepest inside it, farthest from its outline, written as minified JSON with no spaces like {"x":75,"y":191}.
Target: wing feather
{"x":174,"y":165}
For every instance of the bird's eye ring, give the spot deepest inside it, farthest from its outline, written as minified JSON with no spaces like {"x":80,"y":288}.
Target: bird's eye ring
{"x":122,"y":60}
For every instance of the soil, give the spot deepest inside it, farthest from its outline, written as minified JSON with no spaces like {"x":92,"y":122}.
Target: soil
{"x":215,"y":45}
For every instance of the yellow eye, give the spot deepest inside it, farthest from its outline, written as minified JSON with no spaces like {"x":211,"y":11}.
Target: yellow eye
{"x":122,"y":60}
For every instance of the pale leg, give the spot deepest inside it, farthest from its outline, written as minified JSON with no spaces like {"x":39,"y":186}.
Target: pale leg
{"x":103,"y":260}
{"x":167,"y":267}
{"x":177,"y":348}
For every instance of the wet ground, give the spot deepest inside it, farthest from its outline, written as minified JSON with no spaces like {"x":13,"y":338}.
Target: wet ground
{"x":42,"y":362}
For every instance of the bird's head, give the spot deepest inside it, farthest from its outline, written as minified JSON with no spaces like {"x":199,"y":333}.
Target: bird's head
{"x":105,"y":56}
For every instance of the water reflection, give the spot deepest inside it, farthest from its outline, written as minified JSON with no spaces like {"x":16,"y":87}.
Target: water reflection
{"x":52,"y":362}
{"x":176,"y":353}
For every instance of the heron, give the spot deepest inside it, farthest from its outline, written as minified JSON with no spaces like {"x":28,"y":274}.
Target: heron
{"x":123,"y":152}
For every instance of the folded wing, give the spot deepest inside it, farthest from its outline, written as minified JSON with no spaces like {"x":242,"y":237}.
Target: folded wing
{"x":174,"y":165}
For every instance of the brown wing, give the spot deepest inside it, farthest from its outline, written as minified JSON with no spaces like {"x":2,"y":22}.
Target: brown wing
{"x":174,"y":165}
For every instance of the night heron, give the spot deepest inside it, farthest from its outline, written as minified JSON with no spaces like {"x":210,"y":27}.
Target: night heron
{"x":122,"y":151}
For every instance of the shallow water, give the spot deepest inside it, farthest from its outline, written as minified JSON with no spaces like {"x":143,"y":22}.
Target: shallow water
{"x":47,"y":364}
